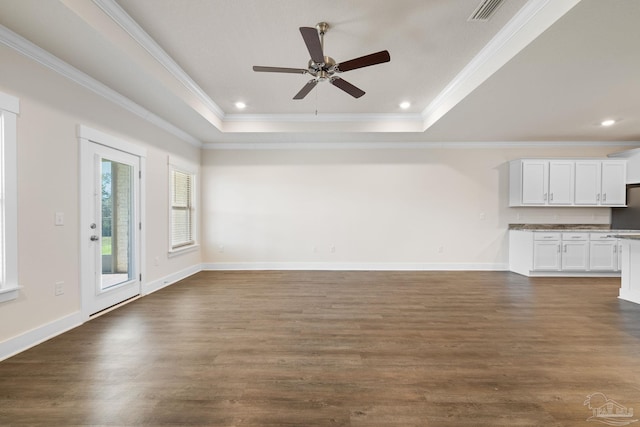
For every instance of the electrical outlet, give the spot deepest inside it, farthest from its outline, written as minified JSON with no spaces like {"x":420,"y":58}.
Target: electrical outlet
{"x":483,"y":216}
{"x":440,"y":249}
{"x":59,"y":288}
{"x":333,"y":249}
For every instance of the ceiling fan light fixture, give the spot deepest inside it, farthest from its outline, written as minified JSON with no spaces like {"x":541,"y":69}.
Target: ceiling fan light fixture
{"x":607,"y":123}
{"x":240,"y":105}
{"x":405,"y":104}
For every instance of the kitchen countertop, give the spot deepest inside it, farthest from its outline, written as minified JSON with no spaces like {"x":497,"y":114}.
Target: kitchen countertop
{"x":598,"y":228}
{"x":627,"y":236}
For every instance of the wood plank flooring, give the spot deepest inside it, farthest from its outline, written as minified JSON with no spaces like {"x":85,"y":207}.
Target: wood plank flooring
{"x":338,"y":349}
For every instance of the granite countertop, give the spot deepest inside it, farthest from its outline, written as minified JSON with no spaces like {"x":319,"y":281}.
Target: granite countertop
{"x":627,"y":236}
{"x":568,"y":227}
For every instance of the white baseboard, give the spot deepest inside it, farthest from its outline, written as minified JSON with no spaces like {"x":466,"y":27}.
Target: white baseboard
{"x":38,"y":335}
{"x":163,"y":282}
{"x":354,"y":266}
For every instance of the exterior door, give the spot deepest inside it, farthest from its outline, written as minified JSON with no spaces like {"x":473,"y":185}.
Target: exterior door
{"x":111,"y":226}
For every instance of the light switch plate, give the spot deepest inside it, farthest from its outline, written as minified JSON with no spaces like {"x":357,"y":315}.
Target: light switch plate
{"x":59,"y":218}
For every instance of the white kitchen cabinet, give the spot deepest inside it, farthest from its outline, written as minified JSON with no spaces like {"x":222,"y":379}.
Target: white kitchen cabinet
{"x":604,"y":255}
{"x":546,"y":252}
{"x":614,"y":174}
{"x":600,"y":182}
{"x":587,"y":182}
{"x":566,"y":253}
{"x":620,"y":246}
{"x":567,"y":182}
{"x":561,"y":182}
{"x":535,"y":182}
{"x":541,"y":182}
{"x":575,"y":251}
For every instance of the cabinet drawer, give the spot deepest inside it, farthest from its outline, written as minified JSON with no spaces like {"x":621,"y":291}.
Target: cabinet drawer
{"x":601,"y":236}
{"x":546,"y":236}
{"x":575,"y":236}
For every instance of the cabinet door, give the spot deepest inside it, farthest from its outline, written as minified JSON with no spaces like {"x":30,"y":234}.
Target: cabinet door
{"x":546,"y":255}
{"x":619,"y":251}
{"x":603,"y":255}
{"x":535,"y":182}
{"x":587,"y":184}
{"x":575,"y":255}
{"x":561,"y":184}
{"x":614,"y":175}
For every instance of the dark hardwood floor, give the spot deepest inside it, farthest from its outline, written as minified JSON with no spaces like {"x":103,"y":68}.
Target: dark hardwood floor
{"x":338,"y":349}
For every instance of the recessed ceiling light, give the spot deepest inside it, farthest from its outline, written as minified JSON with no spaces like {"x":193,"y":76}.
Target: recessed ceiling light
{"x":608,"y":122}
{"x":404,"y":105}
{"x":240,"y":105}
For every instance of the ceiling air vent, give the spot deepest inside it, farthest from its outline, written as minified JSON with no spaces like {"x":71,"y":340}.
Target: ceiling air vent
{"x":485,"y":10}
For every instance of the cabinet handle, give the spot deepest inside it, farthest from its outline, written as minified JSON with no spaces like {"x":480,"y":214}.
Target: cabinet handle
{"x":615,"y":249}
{"x":565,"y":248}
{"x":598,"y":197}
{"x":558,"y":248}
{"x":551,"y":196}
{"x":604,"y":197}
{"x":545,"y":197}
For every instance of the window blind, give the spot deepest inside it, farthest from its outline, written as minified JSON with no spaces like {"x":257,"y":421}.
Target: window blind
{"x":181,"y":209}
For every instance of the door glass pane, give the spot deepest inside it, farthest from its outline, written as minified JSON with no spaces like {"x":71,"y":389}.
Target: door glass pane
{"x":117,"y":222}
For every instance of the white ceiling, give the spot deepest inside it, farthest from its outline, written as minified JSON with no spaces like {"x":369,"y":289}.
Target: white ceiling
{"x":538,"y":70}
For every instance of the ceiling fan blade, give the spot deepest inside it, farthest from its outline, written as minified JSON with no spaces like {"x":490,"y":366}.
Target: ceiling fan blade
{"x":279,"y":70}
{"x":347,"y":87}
{"x":364,"y":61}
{"x":306,"y":89}
{"x":312,"y":40}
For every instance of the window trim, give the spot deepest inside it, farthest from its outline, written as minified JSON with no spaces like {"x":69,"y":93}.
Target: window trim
{"x":178,"y":165}
{"x":9,"y":109}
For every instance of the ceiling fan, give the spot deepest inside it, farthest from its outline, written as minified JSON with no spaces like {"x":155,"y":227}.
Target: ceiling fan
{"x":324,"y":68}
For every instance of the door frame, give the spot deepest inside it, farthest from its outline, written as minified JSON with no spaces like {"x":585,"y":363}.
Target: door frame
{"x":87,"y":137}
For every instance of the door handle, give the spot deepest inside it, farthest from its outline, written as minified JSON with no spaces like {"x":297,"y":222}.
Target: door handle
{"x":94,"y":238}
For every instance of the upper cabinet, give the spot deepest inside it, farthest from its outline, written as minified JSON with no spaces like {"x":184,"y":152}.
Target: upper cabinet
{"x":561,"y":182}
{"x":600,"y":182}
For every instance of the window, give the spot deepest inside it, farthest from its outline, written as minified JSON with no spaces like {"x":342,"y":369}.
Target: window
{"x":9,"y":108}
{"x":182,"y":216}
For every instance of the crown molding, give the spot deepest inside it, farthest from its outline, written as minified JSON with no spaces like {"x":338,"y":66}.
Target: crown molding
{"x":531,"y":21}
{"x":36,"y":53}
{"x":408,"y":145}
{"x":122,"y":18}
{"x":300,"y":118}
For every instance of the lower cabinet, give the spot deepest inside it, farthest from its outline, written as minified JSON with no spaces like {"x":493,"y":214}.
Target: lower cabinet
{"x":546,"y":255}
{"x":568,"y":253}
{"x":575,"y":255}
{"x":603,"y":255}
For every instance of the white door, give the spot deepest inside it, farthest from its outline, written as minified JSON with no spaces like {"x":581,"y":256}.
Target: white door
{"x":575,"y":255}
{"x":561,"y":182}
{"x":110,"y":246}
{"x":604,"y":255}
{"x":614,"y":175}
{"x":546,"y":255}
{"x":535,"y":182}
{"x":587,"y":190}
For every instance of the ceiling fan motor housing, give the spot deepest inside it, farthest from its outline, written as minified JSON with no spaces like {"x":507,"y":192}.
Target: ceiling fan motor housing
{"x":322,"y":71}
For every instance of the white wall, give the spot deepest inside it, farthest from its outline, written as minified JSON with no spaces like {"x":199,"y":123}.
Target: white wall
{"x":51,"y":108}
{"x":431,"y":208}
